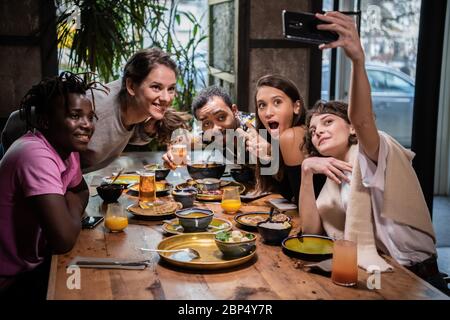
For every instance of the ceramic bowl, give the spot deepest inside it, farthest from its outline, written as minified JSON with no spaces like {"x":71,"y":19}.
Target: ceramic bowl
{"x":194,"y":219}
{"x":110,"y":192}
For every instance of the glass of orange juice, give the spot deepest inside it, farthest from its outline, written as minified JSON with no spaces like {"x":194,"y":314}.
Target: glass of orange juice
{"x":116,"y":219}
{"x":231,"y":200}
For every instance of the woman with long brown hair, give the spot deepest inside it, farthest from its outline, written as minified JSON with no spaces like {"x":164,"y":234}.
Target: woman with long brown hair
{"x":135,"y":110}
{"x":280,"y":109}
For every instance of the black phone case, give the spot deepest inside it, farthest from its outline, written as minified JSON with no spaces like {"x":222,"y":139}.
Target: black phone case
{"x":302,"y":26}
{"x":90,"y":222}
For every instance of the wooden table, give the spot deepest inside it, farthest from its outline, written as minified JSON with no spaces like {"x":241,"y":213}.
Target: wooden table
{"x":271,"y":275}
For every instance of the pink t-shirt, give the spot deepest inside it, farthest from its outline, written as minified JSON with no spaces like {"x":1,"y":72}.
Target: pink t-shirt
{"x":30,"y":167}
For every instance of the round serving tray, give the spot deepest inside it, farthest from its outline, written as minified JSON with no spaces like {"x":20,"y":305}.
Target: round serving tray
{"x":211,"y":258}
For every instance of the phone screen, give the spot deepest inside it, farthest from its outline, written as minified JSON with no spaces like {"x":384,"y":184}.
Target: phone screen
{"x":90,"y":222}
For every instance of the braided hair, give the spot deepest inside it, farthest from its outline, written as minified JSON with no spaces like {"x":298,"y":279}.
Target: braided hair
{"x":41,"y":98}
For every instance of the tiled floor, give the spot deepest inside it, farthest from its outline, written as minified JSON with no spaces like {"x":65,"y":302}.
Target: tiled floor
{"x":441,"y":222}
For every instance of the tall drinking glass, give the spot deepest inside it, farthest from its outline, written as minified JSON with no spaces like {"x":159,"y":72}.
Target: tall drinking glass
{"x":147,"y":186}
{"x":345,"y":263}
{"x":179,"y":153}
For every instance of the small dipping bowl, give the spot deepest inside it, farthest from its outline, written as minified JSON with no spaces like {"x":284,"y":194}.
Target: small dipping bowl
{"x":110,"y":192}
{"x":236,"y":249}
{"x":209,"y":184}
{"x":185,"y":196}
{"x":274,"y":232}
{"x":160,"y":172}
{"x":194,"y":219}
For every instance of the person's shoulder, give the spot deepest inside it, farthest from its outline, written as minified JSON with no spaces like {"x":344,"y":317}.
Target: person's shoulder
{"x":106,"y":97}
{"x":292,"y":135}
{"x":29,"y":148}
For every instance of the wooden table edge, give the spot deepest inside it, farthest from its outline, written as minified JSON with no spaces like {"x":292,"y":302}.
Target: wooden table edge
{"x":51,"y":288}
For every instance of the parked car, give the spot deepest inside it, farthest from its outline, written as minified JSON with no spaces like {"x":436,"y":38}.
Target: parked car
{"x":392,"y":98}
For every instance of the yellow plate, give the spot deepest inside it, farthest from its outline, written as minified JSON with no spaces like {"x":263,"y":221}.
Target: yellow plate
{"x":211,"y":258}
{"x":212,"y":197}
{"x":176,"y":228}
{"x":162,"y":189}
{"x":159,"y":212}
{"x":123,"y":179}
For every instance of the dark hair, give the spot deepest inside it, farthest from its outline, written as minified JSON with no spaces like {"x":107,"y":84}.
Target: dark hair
{"x":43,"y":96}
{"x":206,"y":95}
{"x":137,"y":69}
{"x":279,"y":82}
{"x":337,"y":108}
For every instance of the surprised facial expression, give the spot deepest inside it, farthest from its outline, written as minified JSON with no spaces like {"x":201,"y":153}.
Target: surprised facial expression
{"x":275,"y":110}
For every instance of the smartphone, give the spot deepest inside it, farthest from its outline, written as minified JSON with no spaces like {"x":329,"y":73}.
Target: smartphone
{"x":302,"y":26}
{"x":282,"y":204}
{"x":90,"y":222}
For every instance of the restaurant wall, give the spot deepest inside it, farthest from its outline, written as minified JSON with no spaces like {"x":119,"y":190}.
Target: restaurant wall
{"x":26,"y":55}
{"x":269,"y":52}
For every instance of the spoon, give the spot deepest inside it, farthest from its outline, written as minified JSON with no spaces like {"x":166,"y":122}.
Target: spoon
{"x":271,"y":214}
{"x":325,"y":265}
{"x":177,"y":226}
{"x":118,"y":174}
{"x":300,"y":236}
{"x":193,"y":253}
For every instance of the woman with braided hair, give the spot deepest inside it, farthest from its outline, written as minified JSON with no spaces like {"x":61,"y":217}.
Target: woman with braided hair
{"x":43,"y":191}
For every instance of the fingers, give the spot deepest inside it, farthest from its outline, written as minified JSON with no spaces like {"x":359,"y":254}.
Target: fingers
{"x":241,"y":133}
{"x":168,"y":160}
{"x":338,"y":15}
{"x":334,"y":27}
{"x":339,"y":175}
{"x":338,"y":168}
{"x":331,"y":45}
{"x":332,"y":176}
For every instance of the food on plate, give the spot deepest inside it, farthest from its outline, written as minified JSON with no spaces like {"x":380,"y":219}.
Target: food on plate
{"x":234,"y":236}
{"x":275,"y":225}
{"x":253,"y":219}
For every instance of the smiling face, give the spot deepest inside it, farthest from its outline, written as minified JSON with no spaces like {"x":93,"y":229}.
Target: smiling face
{"x":216,"y":115}
{"x":71,"y":129}
{"x":275,"y":110}
{"x":330,"y":135}
{"x":155,"y":93}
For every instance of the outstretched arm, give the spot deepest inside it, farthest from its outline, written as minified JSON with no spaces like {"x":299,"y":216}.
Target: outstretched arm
{"x":360,"y":101}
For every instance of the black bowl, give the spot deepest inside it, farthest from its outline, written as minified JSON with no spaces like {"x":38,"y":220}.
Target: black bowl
{"x":185,"y":197}
{"x":243,"y":175}
{"x":160,"y":172}
{"x":273,"y":236}
{"x":110,"y":192}
{"x":206,"y":170}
